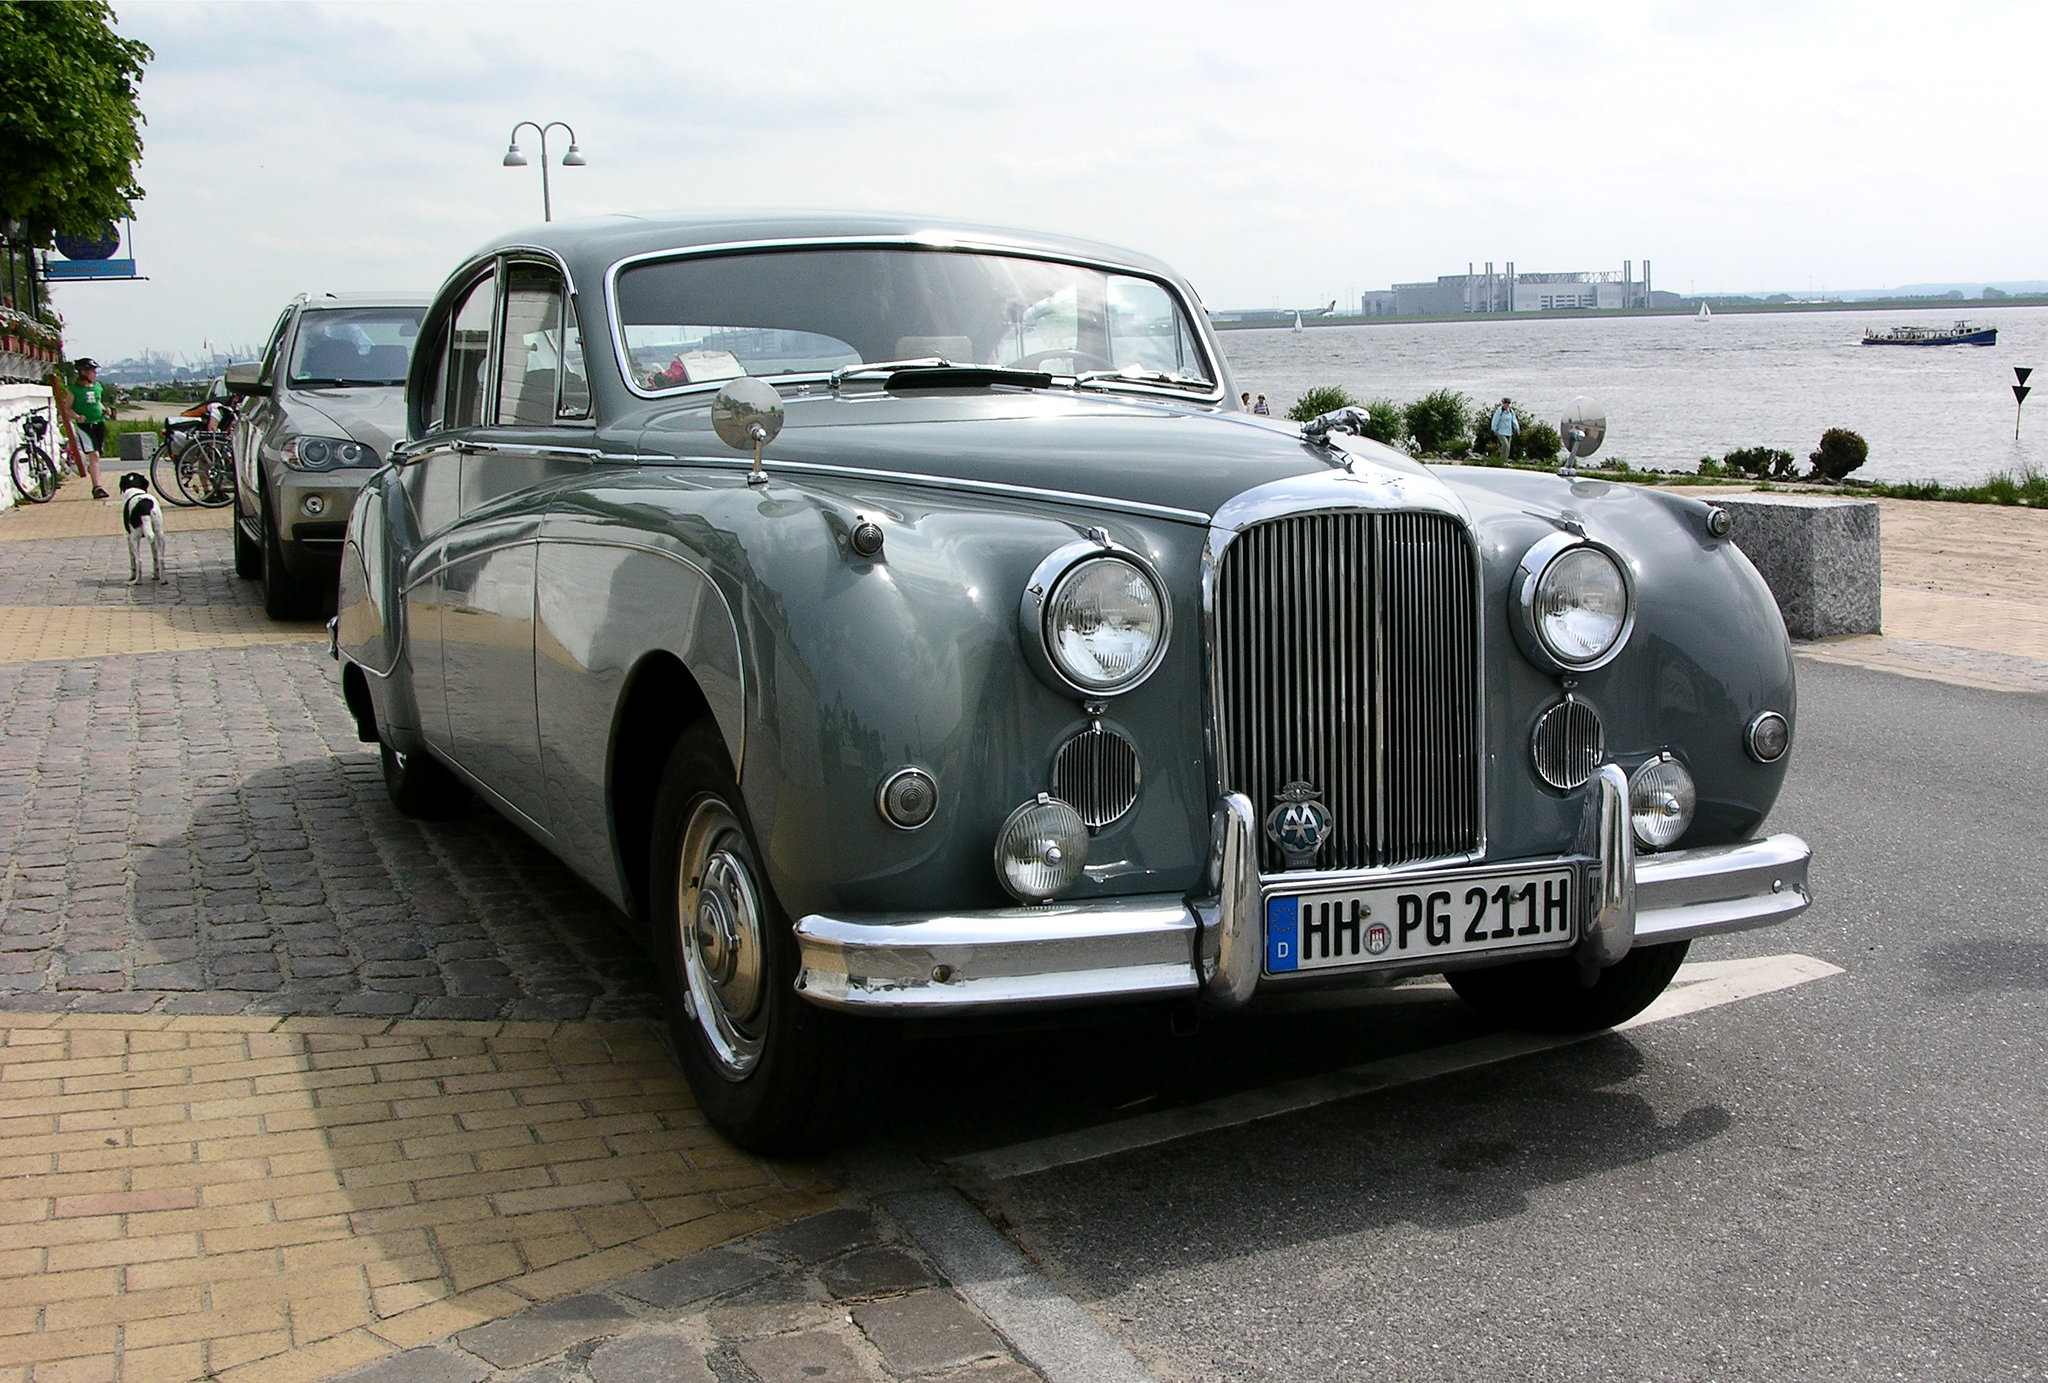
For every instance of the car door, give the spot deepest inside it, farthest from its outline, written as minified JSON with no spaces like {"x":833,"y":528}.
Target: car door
{"x":252,"y":418}
{"x":509,"y":466}
{"x":431,"y":474}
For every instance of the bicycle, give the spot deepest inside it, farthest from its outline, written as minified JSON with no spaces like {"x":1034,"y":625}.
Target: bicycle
{"x":192,"y":466}
{"x":34,"y":470}
{"x":206,"y":471}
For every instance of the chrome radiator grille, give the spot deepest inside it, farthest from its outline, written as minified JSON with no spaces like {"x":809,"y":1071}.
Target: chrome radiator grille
{"x":1347,"y":655}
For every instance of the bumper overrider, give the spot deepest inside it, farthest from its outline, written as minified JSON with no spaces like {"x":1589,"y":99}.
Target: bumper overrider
{"x":1213,"y":946}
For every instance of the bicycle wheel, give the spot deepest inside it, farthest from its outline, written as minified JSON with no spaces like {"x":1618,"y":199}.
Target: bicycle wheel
{"x":163,"y":474}
{"x":206,"y":473}
{"x":35,"y":474}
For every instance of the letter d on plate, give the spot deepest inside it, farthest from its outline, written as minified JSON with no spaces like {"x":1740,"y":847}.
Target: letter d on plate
{"x":1283,"y":934}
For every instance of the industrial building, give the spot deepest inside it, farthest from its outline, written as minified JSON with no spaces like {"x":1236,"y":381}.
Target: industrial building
{"x":1483,"y":290}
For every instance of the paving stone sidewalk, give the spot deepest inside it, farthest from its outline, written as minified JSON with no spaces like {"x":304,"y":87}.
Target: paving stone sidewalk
{"x":291,"y":1085}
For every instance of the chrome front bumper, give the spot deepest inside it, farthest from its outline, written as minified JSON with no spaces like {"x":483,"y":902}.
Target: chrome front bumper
{"x":1165,"y":946}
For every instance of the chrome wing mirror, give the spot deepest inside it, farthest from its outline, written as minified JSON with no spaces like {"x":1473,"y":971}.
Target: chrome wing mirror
{"x":1583,"y":428}
{"x":746,"y":413}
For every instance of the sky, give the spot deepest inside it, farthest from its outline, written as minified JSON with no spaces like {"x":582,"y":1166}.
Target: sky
{"x":1278,"y":154}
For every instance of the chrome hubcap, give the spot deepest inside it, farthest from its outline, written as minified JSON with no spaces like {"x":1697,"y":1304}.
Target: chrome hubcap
{"x":720,"y":916}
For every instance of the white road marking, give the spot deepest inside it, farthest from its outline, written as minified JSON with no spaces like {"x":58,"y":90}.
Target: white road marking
{"x":1699,"y":986}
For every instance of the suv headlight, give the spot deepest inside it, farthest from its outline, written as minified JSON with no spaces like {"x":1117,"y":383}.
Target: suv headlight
{"x":326,"y":453}
{"x":1095,"y":619}
{"x":1575,"y":604}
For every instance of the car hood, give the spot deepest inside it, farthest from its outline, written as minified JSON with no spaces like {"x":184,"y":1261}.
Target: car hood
{"x":374,"y":417}
{"x":1113,"y":449}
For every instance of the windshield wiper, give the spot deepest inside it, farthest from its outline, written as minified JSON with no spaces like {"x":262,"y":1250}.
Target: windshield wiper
{"x":1136,"y":376}
{"x":936,"y":372}
{"x":343,"y":383}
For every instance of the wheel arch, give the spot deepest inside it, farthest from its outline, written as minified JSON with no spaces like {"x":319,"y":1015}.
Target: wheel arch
{"x":661,"y":699}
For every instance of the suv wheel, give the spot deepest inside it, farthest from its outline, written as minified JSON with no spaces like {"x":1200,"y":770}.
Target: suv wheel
{"x":284,"y":596}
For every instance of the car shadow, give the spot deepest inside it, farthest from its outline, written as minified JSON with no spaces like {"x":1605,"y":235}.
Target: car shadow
{"x":1447,"y":1154}
{"x":1985,"y":964}
{"x":301,"y":891}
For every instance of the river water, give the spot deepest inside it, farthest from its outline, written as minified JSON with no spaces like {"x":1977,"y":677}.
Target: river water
{"x":1676,"y":389}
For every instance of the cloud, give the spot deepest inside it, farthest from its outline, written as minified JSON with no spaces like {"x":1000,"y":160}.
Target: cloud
{"x":1274,"y":153}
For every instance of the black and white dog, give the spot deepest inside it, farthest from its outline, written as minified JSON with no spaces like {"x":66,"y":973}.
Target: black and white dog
{"x":144,"y":522}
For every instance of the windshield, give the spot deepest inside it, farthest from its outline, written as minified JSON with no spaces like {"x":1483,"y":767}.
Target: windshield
{"x":789,"y":312}
{"x":363,"y":345}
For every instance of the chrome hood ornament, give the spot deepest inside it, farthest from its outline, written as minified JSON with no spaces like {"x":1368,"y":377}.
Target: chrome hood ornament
{"x":1299,"y":824}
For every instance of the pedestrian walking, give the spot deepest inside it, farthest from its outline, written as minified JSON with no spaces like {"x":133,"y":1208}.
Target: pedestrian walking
{"x":1505,"y":426}
{"x":84,"y":407}
{"x":1244,"y":401}
{"x":1261,"y":408}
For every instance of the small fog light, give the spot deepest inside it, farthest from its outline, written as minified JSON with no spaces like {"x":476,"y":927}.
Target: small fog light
{"x":907,"y":798}
{"x":1661,"y":799}
{"x":314,"y":505}
{"x":1041,"y":849}
{"x":1768,"y":737}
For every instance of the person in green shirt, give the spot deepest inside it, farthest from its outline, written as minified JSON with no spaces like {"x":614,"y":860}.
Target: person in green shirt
{"x":85,"y":417}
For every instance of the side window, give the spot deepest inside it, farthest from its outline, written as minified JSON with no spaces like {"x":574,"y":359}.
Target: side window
{"x":432,"y":406}
{"x":530,"y":354}
{"x":276,"y":344}
{"x":466,"y":373}
{"x":575,"y":402}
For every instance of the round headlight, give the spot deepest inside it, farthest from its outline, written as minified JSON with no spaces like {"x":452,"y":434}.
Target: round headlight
{"x":1041,"y":849}
{"x":1577,"y":604}
{"x":1661,"y":800}
{"x":1769,"y":736}
{"x":313,"y":453}
{"x":1103,"y":619}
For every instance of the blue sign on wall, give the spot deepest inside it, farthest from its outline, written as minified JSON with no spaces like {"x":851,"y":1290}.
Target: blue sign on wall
{"x":90,"y":269}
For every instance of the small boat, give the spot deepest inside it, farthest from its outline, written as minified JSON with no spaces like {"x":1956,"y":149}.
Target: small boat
{"x":1961,"y":334}
{"x":1297,"y":320}
{"x":1706,"y":314}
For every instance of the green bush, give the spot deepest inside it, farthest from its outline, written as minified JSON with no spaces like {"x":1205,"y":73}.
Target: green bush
{"x":1711,"y":468}
{"x":1765,"y":463}
{"x":1840,"y":452}
{"x":1324,"y":398}
{"x":1384,"y":423}
{"x":1538,"y":442}
{"x":1439,"y":423}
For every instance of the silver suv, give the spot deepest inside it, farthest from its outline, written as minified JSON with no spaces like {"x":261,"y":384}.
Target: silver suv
{"x":319,"y":412}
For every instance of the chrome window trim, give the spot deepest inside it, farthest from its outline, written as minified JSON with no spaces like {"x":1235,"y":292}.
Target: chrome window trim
{"x":1198,"y":322}
{"x":536,"y":254}
{"x":1373,"y":487}
{"x":1522,"y":592}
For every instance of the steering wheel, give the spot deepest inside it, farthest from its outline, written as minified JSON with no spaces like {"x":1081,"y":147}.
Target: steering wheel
{"x":1082,"y":360}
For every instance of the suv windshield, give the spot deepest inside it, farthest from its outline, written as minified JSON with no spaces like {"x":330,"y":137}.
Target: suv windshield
{"x":361,"y":345}
{"x":788,"y":312}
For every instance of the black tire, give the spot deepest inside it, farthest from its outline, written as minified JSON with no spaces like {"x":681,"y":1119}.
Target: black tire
{"x":284,"y":596}
{"x":421,"y":785}
{"x":1547,"y":995}
{"x":163,"y":474}
{"x":35,"y":474}
{"x":248,"y":552}
{"x":776,"y":1075}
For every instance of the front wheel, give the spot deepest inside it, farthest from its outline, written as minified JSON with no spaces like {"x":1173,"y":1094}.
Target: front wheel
{"x":420,"y":785}
{"x":248,"y":552}
{"x":1549,"y":996}
{"x":285,"y":596}
{"x":776,"y":1075}
{"x":163,"y":474}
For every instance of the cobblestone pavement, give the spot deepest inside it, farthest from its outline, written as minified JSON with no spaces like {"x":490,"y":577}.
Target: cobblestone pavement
{"x":292,"y":1085}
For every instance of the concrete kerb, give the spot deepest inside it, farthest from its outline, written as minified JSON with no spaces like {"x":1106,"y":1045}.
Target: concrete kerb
{"x":1052,"y":1332}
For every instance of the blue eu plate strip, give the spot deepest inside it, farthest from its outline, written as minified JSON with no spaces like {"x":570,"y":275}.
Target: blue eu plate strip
{"x":1283,"y":928}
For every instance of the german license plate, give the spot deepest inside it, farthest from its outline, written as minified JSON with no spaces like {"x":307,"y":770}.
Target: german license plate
{"x":1423,"y":919}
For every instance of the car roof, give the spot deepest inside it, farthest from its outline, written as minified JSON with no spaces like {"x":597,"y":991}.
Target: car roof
{"x":591,"y":246}
{"x":315,"y":301}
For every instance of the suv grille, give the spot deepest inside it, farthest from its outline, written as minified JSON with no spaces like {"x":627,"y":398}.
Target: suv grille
{"x":1347,"y":652}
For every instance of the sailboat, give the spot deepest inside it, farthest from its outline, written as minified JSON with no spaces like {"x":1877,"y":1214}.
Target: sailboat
{"x":1706,"y":314}
{"x":1297,"y":319}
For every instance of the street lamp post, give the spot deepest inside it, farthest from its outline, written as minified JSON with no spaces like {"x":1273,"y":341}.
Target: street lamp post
{"x":514,"y":159}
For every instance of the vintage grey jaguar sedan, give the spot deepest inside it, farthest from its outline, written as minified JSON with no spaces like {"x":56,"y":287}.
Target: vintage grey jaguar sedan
{"x":901,"y":619}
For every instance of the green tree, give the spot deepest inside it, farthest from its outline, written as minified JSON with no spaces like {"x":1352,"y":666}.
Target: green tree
{"x":70,"y":128}
{"x":1840,"y":452}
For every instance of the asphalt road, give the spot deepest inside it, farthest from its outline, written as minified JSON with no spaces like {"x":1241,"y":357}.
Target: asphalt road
{"x":1845,"y":1179}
